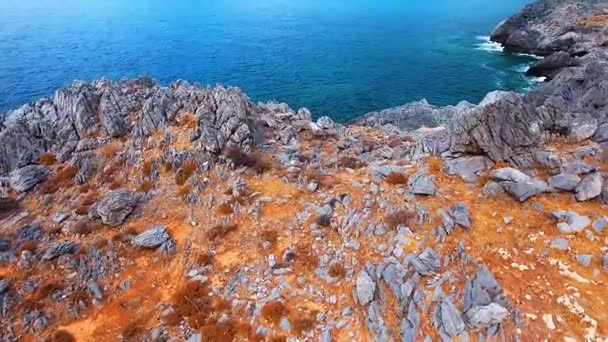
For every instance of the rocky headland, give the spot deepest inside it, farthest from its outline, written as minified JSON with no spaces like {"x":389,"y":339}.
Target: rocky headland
{"x":135,"y":212}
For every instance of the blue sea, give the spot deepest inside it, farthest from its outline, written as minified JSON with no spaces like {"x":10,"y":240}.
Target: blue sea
{"x":340,"y":58}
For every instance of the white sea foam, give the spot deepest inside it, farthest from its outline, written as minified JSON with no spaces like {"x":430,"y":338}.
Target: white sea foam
{"x":521,"y":68}
{"x":487,"y":45}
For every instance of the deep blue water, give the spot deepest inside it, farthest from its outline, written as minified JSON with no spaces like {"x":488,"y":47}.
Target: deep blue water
{"x":337,"y":57}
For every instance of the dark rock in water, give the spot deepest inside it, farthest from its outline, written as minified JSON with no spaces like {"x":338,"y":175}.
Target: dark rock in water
{"x":552,"y":64}
{"x":27,"y":177}
{"x":116,"y":206}
{"x":590,"y":187}
{"x":59,"y":249}
{"x":151,"y":238}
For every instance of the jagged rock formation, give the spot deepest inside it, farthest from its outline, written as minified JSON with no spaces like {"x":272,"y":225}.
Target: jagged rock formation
{"x":131,"y":211}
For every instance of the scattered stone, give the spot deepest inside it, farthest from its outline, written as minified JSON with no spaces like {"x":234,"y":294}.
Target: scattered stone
{"x":584,"y":259}
{"x":571,"y":222}
{"x":427,"y":263}
{"x":94,"y":289}
{"x":59,"y":249}
{"x":116,"y":206}
{"x":449,"y":318}
{"x":600,"y":224}
{"x":421,"y":184}
{"x":564,"y":181}
{"x":151,"y":238}
{"x":481,"y":317}
{"x":324,"y":215}
{"x":560,"y":244}
{"x":366,"y":287}
{"x":590,"y":187}
{"x":312,"y":186}
{"x":460,"y":214}
{"x":507,"y":219}
{"x":4,"y":284}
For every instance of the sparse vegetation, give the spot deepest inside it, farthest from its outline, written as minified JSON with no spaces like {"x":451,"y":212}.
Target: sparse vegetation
{"x":218,"y":232}
{"x":273,"y":311}
{"x":254,"y":161}
{"x":336,"y":270}
{"x":397,"y":178}
{"x":47,"y":159}
{"x":63,"y":178}
{"x":404,"y":217}
{"x":224,"y":209}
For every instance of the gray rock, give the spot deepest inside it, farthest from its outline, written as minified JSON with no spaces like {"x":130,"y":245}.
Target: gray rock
{"x":571,"y":222}
{"x":427,"y":263}
{"x":421,"y":184}
{"x":4,"y":284}
{"x":492,"y":189}
{"x":605,"y":262}
{"x":59,"y":249}
{"x":460,"y":214}
{"x":116,"y":206}
{"x":481,"y":317}
{"x":466,"y":167}
{"x":581,"y":131}
{"x":312,"y":186}
{"x":451,"y":319}
{"x":25,"y":178}
{"x":365,"y":287}
{"x":564,"y":181}
{"x":60,"y":217}
{"x":151,"y":238}
{"x":509,"y":174}
{"x":194,"y":338}
{"x":590,"y":187}
{"x":559,"y":244}
{"x":284,"y":324}
{"x":524,"y":190}
{"x":584,"y":259}
{"x":94,"y":289}
{"x":325,"y":336}
{"x":324,"y":214}
{"x":600,"y":224}
{"x":601,"y":134}
{"x":577,"y":168}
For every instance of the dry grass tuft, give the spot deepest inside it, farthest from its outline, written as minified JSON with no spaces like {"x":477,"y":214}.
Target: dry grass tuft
{"x":301,"y":323}
{"x":396,"y":178}
{"x":435,"y":164}
{"x":116,"y":184}
{"x":336,"y":270}
{"x":81,"y":227}
{"x":146,"y":186}
{"x":31,"y":246}
{"x":273,"y":311}
{"x":269,"y":235}
{"x":63,"y":178}
{"x":255,"y":161}
{"x":220,"y":231}
{"x":147,"y":169}
{"x":45,"y":290}
{"x":205,"y":259}
{"x":217,"y":332}
{"x":224,"y":209}
{"x":47,"y":159}
{"x":404,"y":217}
{"x":185,"y":172}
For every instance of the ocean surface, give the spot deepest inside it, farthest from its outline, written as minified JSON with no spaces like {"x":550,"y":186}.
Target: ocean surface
{"x":340,"y":58}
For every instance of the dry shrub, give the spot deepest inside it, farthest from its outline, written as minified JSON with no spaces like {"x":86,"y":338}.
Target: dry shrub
{"x":185,"y":172}
{"x":81,"y":227}
{"x":301,"y":323}
{"x":7,"y":207}
{"x":189,"y":121}
{"x":183,"y":191}
{"x":350,"y":162}
{"x":45,"y":290}
{"x":251,"y":160}
{"x":192,"y":302}
{"x":146,"y":186}
{"x":273,"y":311}
{"x":116,"y":184}
{"x":62,"y":336}
{"x":403,"y":217}
{"x":63,"y":178}
{"x":327,"y":181}
{"x":84,"y":188}
{"x":204,"y":259}
{"x":31,"y":246}
{"x":396,"y":178}
{"x":306,"y":257}
{"x":224,"y":209}
{"x":167,"y":167}
{"x":132,"y":331}
{"x":217,"y":332}
{"x":336,"y":270}
{"x":277,"y":338}
{"x":47,"y":159}
{"x":218,"y":232}
{"x":147,"y":168}
{"x":435,"y":164}
{"x":109,"y":150}
{"x":269,"y":235}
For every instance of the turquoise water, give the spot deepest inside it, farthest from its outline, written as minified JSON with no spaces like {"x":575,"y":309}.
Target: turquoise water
{"x":337,"y":57}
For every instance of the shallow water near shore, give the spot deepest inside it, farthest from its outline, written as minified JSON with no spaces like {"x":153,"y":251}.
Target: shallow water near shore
{"x":338,"y":58}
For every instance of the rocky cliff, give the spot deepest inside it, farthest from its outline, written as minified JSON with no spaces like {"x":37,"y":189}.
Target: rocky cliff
{"x":131,"y":211}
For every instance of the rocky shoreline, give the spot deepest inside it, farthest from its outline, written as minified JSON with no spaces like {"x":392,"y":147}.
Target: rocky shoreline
{"x":131,"y":211}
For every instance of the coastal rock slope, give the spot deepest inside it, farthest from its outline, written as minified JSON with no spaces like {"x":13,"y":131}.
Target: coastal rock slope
{"x":135,"y":212}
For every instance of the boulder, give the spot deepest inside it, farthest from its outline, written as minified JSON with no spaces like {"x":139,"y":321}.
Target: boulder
{"x":564,"y":181}
{"x":460,"y":214}
{"x":427,"y":263}
{"x":421,"y":184}
{"x":570,"y":222}
{"x":482,"y":316}
{"x":365,"y":287}
{"x":116,"y":206}
{"x":590,"y":187}
{"x":151,"y":238}
{"x":525,"y":190}
{"x":25,"y":178}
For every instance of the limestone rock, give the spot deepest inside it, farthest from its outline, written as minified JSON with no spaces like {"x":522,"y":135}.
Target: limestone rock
{"x":366,"y":287}
{"x":116,"y":206}
{"x":25,"y":178}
